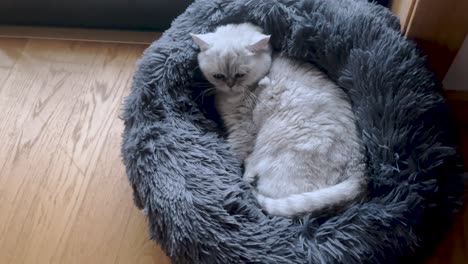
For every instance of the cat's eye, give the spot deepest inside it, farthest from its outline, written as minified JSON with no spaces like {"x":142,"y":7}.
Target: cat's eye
{"x":240,"y":75}
{"x":219,"y":76}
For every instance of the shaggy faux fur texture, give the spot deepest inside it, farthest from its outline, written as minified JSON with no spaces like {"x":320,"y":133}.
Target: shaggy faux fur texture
{"x":189,"y":184}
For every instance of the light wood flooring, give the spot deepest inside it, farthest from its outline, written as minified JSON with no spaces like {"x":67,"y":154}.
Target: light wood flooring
{"x":64,"y":196}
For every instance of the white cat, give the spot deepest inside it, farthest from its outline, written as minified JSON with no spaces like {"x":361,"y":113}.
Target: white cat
{"x":234,"y":58}
{"x":295,"y":130}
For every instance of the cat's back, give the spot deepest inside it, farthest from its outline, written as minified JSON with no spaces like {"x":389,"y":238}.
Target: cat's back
{"x":303,"y":107}
{"x":284,"y":68}
{"x":307,"y":138}
{"x":299,"y":84}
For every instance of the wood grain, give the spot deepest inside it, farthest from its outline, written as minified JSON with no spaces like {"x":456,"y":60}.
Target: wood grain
{"x":80,"y":34}
{"x":439,"y":27}
{"x":404,"y":10}
{"x":64,"y":196}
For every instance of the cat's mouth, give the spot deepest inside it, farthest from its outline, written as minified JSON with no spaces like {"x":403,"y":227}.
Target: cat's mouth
{"x":233,"y":90}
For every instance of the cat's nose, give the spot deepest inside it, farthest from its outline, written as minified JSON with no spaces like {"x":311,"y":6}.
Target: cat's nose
{"x":230,"y":83}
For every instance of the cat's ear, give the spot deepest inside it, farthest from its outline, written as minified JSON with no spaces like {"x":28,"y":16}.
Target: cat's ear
{"x":198,"y":38}
{"x":259,"y":45}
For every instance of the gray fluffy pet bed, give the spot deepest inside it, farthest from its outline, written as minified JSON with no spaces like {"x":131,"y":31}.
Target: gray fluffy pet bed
{"x":189,"y":184}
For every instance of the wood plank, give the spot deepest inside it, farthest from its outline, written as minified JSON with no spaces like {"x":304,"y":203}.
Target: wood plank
{"x":38,"y":156}
{"x":439,"y":28}
{"x":79,"y":34}
{"x":403,"y":9}
{"x":118,"y":230}
{"x":11,"y":51}
{"x":64,"y":197}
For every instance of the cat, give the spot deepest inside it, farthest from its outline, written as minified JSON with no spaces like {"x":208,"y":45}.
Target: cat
{"x":234,"y":68}
{"x":291,"y":126}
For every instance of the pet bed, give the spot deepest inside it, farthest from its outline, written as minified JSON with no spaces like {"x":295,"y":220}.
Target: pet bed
{"x":189,"y":184}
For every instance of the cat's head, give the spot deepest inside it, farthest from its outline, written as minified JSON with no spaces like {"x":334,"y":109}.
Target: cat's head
{"x":234,"y":57}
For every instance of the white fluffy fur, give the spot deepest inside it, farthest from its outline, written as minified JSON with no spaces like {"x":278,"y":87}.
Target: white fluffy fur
{"x":295,"y":130}
{"x":250,"y":54}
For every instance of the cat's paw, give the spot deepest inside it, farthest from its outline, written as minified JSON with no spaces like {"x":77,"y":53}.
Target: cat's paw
{"x":251,"y":178}
{"x":263,"y":203}
{"x":264,"y":82}
{"x":256,"y":169}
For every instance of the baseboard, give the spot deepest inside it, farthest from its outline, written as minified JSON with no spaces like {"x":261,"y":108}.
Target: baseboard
{"x":80,"y":34}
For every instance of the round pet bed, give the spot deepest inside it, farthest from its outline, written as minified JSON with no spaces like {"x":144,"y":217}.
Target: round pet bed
{"x":189,"y":183}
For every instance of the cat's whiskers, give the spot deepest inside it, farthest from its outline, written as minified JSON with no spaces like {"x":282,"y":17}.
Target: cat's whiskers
{"x":204,"y":93}
{"x":258,"y":100}
{"x":248,"y":98}
{"x":202,"y":85}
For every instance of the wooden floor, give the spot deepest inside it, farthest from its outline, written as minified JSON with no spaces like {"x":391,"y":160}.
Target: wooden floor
{"x":64,"y":196}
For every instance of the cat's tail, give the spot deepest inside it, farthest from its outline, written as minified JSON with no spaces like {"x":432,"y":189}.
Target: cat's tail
{"x":335,"y":196}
